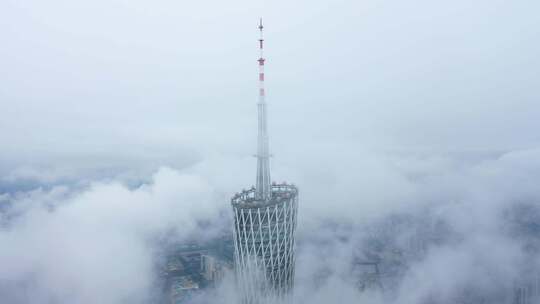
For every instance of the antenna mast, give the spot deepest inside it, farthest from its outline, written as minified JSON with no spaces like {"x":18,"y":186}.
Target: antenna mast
{"x":263,"y":186}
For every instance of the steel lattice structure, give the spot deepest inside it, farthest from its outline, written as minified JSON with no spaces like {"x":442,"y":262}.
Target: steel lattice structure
{"x":264,"y":223}
{"x":264,"y":242}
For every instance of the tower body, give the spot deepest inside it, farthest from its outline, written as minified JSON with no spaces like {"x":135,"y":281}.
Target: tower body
{"x":264,"y":224}
{"x":264,"y":241}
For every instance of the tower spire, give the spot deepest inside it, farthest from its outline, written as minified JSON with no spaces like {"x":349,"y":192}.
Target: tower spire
{"x":263,"y":185}
{"x":264,"y":260}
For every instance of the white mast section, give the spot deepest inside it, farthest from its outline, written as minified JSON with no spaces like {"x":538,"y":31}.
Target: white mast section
{"x":263,"y":185}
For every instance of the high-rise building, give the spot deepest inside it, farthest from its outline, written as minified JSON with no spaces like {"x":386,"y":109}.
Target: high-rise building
{"x":527,"y":289}
{"x":264,"y":223}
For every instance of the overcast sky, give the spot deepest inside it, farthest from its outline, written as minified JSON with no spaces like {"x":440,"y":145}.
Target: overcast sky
{"x":114,"y":84}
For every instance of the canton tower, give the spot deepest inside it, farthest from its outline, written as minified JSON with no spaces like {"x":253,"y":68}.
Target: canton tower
{"x":264,"y":222}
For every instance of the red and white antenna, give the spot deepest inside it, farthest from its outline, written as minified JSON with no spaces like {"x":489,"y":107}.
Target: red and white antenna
{"x":261,"y":59}
{"x":263,"y":186}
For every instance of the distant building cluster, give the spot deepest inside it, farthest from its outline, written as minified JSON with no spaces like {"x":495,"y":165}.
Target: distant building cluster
{"x":384,"y":259}
{"x":191,"y":268}
{"x":527,"y":290}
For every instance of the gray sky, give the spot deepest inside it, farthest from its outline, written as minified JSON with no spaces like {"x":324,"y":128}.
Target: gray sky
{"x":117,"y":83}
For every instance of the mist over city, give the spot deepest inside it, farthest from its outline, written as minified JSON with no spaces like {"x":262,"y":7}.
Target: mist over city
{"x":269,"y":152}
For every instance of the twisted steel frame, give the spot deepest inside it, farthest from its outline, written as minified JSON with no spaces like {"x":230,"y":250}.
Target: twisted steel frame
{"x":264,"y":241}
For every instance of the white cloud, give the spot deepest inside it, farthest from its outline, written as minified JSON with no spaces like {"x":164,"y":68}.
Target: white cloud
{"x":96,"y":246}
